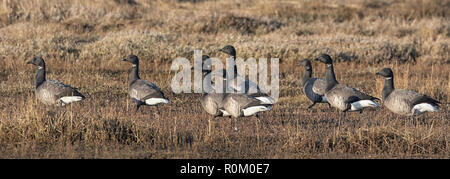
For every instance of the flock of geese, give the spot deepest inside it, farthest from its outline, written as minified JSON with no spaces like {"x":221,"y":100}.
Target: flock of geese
{"x":317,"y":90}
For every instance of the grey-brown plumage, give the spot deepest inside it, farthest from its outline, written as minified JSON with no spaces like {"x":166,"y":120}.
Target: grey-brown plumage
{"x":226,"y":104}
{"x":143,"y":92}
{"x":212,"y":104}
{"x":341,"y":96}
{"x":313,"y":88}
{"x":212,"y":101}
{"x":52,"y":91}
{"x":247,"y":87}
{"x":238,"y":105}
{"x":404,"y":102}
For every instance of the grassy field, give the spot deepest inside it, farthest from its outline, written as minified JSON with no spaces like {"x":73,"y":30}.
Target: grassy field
{"x":83,"y":42}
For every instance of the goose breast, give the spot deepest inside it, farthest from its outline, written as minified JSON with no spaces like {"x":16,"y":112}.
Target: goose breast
{"x":212,"y":102}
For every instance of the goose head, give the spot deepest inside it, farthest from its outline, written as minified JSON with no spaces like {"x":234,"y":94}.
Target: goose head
{"x":385,"y":72}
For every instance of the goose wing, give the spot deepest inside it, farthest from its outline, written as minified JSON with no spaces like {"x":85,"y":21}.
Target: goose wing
{"x":59,"y":89}
{"x":414,"y":98}
{"x":345,"y":92}
{"x":359,"y":94}
{"x":143,"y":90}
{"x":245,"y":101}
{"x":237,"y":104}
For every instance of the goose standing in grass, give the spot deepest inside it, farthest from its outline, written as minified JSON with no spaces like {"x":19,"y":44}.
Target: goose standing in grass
{"x":341,"y":96}
{"x":404,"y":102}
{"x":52,"y":91}
{"x":231,"y":51}
{"x":243,"y":105}
{"x":143,"y":92}
{"x":313,"y":88}
{"x":212,"y":101}
{"x":229,"y":104}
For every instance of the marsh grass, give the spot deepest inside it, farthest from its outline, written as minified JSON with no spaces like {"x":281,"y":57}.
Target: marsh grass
{"x":84,"y":41}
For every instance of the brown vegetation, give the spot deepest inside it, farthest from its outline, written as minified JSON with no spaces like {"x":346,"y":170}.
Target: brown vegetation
{"x":83,"y":42}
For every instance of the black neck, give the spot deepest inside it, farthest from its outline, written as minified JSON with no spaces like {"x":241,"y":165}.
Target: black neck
{"x":306,"y":76}
{"x":330,"y":77}
{"x":233,"y":56}
{"x":204,"y":76}
{"x":40,"y":75}
{"x":388,"y":87}
{"x":134,"y":74}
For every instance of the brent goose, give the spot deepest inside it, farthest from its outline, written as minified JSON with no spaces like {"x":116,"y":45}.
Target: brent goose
{"x":231,"y":51}
{"x":143,"y":92}
{"x":404,"y":102}
{"x":341,"y":96}
{"x":212,"y":101}
{"x":52,"y":91}
{"x":313,"y":88}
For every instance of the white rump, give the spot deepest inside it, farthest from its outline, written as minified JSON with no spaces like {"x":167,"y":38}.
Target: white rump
{"x":255,"y":109}
{"x":358,"y":105}
{"x":423,"y":107}
{"x":68,"y":99}
{"x":154,"y":101}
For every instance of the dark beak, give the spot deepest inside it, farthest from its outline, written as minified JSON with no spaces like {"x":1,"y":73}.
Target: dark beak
{"x":377,"y":73}
{"x":124,"y":59}
{"x":29,"y":62}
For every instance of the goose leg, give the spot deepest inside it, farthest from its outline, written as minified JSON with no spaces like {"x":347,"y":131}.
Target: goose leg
{"x":157,"y":111}
{"x":235,"y":124}
{"x":137,"y":108}
{"x":209,"y":126}
{"x":138,"y":103}
{"x":309,"y":107}
{"x":257,"y":132}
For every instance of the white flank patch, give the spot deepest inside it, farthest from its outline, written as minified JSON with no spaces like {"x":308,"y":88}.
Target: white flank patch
{"x":324,"y":99}
{"x":153,"y":101}
{"x":225,"y":113}
{"x":363,"y":104}
{"x":254,"y":109}
{"x":69,"y":99}
{"x":265,"y":99}
{"x":423,"y":107}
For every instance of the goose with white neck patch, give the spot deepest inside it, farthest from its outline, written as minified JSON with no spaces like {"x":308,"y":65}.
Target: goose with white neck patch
{"x":212,"y":101}
{"x":231,"y":51}
{"x":143,"y":92}
{"x":313,"y":88}
{"x":228,"y":104}
{"x":404,"y":102}
{"x":52,"y":91}
{"x":341,"y":96}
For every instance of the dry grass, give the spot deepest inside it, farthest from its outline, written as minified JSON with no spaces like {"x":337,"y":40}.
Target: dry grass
{"x":83,"y":42}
